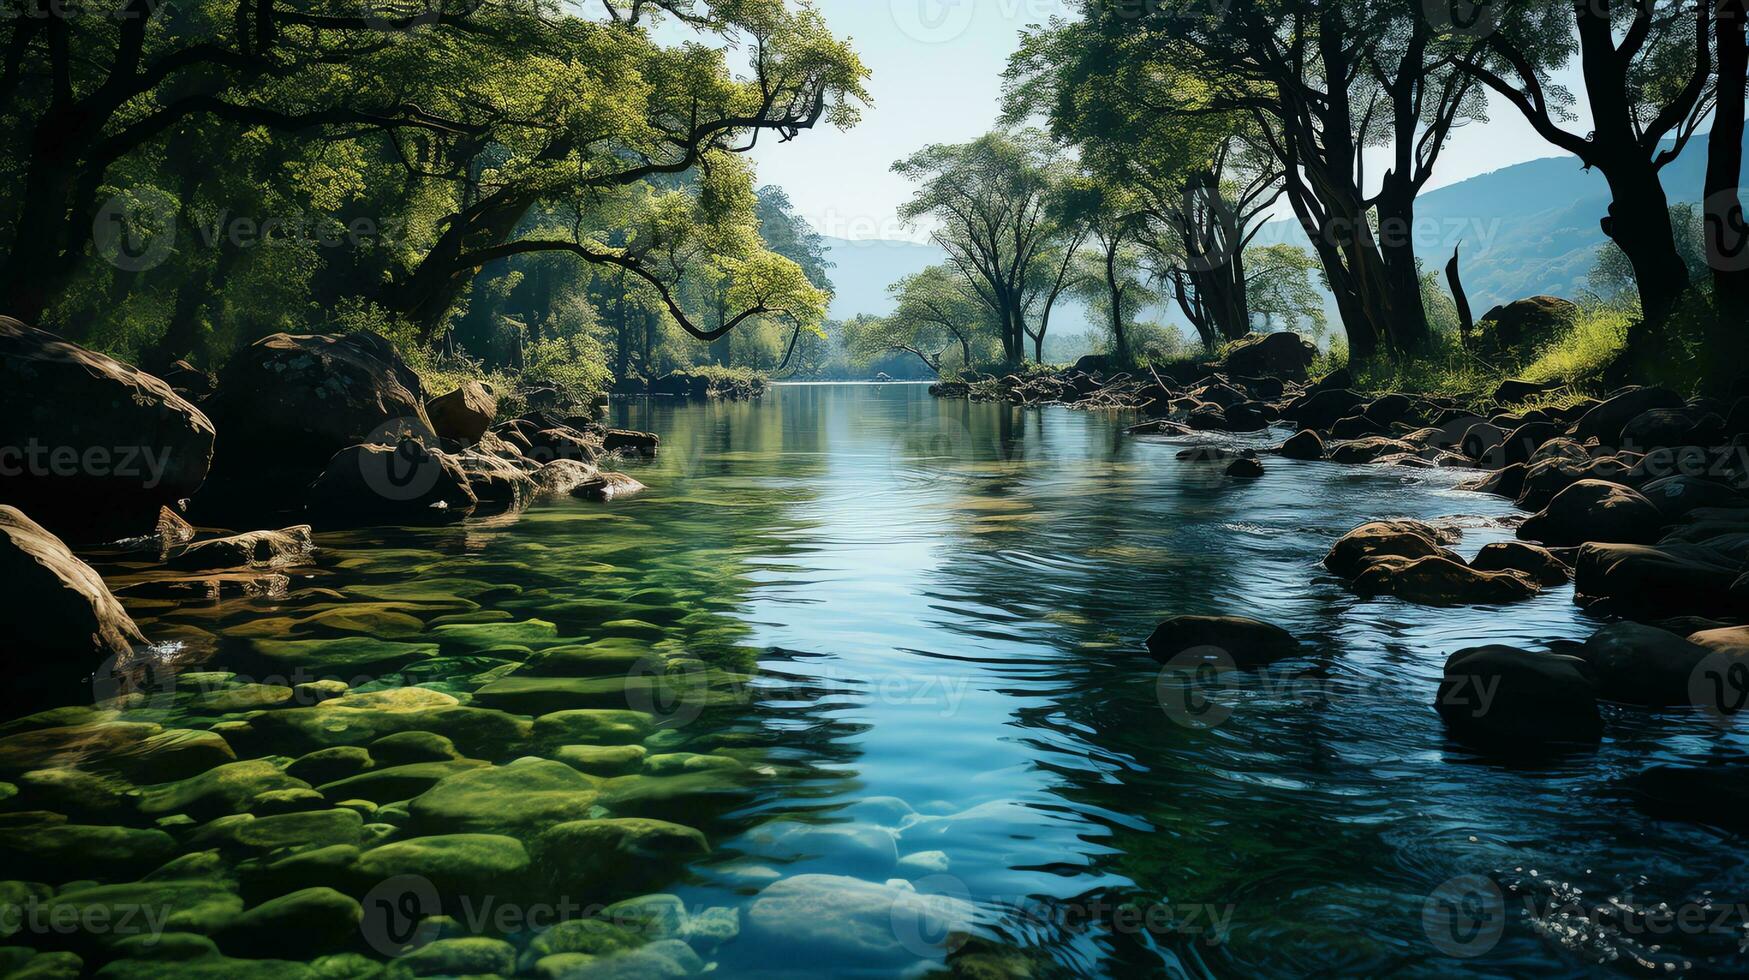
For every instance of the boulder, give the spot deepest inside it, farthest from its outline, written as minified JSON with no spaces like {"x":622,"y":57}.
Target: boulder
{"x":1516,"y":556}
{"x":1521,"y":443}
{"x":856,"y":925}
{"x":1663,"y":580}
{"x":1524,"y":324}
{"x":464,"y":414}
{"x":1676,"y":496}
{"x":1508,"y":699}
{"x":1595,"y":511}
{"x":525,"y":796}
{"x":1321,"y":410}
{"x":1275,"y":355}
{"x":465,"y":864}
{"x":90,"y":447}
{"x":561,"y":476}
{"x":1637,"y":664}
{"x":1714,"y":795}
{"x":1543,"y":479}
{"x":1374,"y":541}
{"x":621,"y":855}
{"x":1247,"y":642}
{"x":287,"y":404}
{"x":1304,"y":445}
{"x":1606,"y":421}
{"x":1370,"y":450}
{"x":401,"y":484}
{"x":497,"y":484}
{"x":608,"y":486}
{"x":1508,"y":481}
{"x":629,"y":443}
{"x":1387,"y":410}
{"x":1245,"y":469}
{"x":1657,"y":428}
{"x":1356,"y":427}
{"x":1481,"y":439}
{"x":1437,"y":580}
{"x":294,"y":926}
{"x":60,"y":620}
{"x":1517,"y":390}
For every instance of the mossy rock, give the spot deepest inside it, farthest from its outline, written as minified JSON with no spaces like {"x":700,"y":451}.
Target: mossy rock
{"x":330,"y":765}
{"x":627,"y":854}
{"x":676,"y":763}
{"x":316,"y":692}
{"x":594,"y":937}
{"x":545,"y":695}
{"x":605,"y":658}
{"x":437,"y":592}
{"x":230,"y":788}
{"x":635,"y":629}
{"x":68,"y":716}
{"x":479,"y":637}
{"x":342,"y":659}
{"x":471,"y":956}
{"x":265,"y":878}
{"x":558,"y":966}
{"x":43,"y":748}
{"x":466,"y":864}
{"x":277,"y":801}
{"x":392,"y":620}
{"x":194,"y":864}
{"x":170,"y":947}
{"x":82,"y":795}
{"x":602,"y":760}
{"x":594,"y":726}
{"x":312,"y":920}
{"x":75,"y":852}
{"x":210,"y":968}
{"x":393,"y":783}
{"x":170,"y":755}
{"x":242,"y":697}
{"x":177,"y":906}
{"x":49,"y":966}
{"x":685,"y":796}
{"x":595,"y":612}
{"x":403,"y":748}
{"x":522,"y":797}
{"x":478,"y":732}
{"x":262,"y":835}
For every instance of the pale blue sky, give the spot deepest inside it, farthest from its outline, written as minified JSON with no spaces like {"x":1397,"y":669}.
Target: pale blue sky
{"x":937,"y":78}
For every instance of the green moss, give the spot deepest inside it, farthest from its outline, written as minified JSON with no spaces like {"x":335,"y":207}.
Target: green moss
{"x":519,"y":798}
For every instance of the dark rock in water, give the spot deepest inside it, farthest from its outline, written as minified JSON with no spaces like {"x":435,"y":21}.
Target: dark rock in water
{"x":1248,"y":417}
{"x":1276,"y":355}
{"x":1321,"y":410}
{"x":1715,"y":796}
{"x":608,"y":486}
{"x":626,"y":441}
{"x":1507,"y":699}
{"x":1219,"y":393}
{"x":464,"y":414}
{"x":1208,"y":418}
{"x":1605,"y":422}
{"x":1437,"y":580}
{"x":1387,"y":410}
{"x":402,"y":484}
{"x":1356,"y":427}
{"x":547,"y":445}
{"x":60,"y":620}
{"x":1521,"y":443}
{"x":1245,"y":469}
{"x":1662,"y":580}
{"x":1481,"y":439}
{"x":93,"y":448}
{"x":1657,"y":428}
{"x":1595,"y":511}
{"x":1516,"y":556}
{"x":1676,"y":496}
{"x":1159,"y":427}
{"x":1505,"y":482}
{"x":1370,"y":450}
{"x":561,"y":476}
{"x":1548,"y":477}
{"x":1246,"y":642}
{"x":1637,"y":664}
{"x":1378,"y":540}
{"x":1207,"y":454}
{"x":1516,"y":390}
{"x":497,"y":484}
{"x":1304,"y":445}
{"x":256,"y":549}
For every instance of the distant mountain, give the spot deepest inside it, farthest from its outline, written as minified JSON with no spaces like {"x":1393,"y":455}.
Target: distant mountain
{"x":1525,"y":229}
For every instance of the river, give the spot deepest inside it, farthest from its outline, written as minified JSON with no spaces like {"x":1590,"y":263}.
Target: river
{"x":940,"y":607}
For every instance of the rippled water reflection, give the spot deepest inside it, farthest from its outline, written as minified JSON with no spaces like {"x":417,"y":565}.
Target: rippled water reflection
{"x":945,"y":602}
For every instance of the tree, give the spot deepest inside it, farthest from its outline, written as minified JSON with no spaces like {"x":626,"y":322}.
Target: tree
{"x":998,"y":205}
{"x":936,"y":314}
{"x":1646,"y":67}
{"x":1283,"y":296}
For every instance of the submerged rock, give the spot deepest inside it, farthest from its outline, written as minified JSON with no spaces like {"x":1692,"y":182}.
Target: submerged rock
{"x":523,"y":797}
{"x":313,"y":920}
{"x":855,"y":923}
{"x":1509,"y":699}
{"x":616,"y":854}
{"x":256,"y":549}
{"x":1436,"y":580}
{"x":466,"y":864}
{"x":401,"y":484}
{"x":1377,"y":540}
{"x":1637,"y":664}
{"x":1246,"y":641}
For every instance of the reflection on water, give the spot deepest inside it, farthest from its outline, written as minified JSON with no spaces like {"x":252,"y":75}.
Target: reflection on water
{"x":940,"y":607}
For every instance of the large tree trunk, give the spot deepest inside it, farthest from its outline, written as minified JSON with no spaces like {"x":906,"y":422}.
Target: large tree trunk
{"x":1402,"y":275}
{"x":1727,"y":240}
{"x":427,"y":296}
{"x":1639,"y":224}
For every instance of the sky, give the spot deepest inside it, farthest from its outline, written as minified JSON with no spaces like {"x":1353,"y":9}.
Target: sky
{"x":937,"y":77}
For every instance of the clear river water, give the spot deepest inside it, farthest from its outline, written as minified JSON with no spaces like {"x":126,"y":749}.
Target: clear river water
{"x":955,"y":747}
